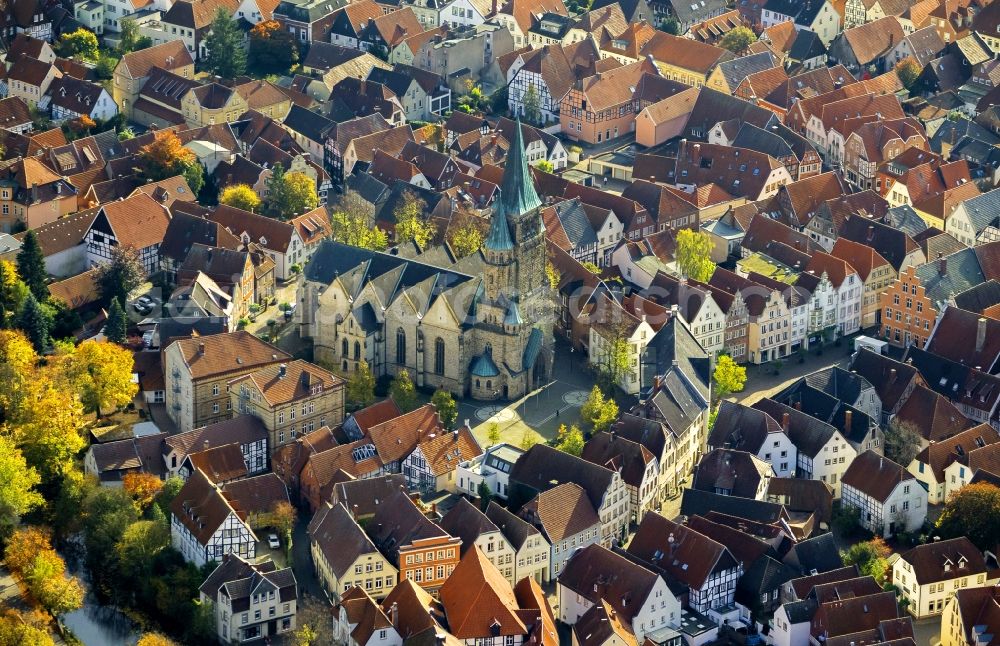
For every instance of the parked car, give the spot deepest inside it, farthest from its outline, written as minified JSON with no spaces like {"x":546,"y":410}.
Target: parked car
{"x":272,"y":541}
{"x":143,"y":305}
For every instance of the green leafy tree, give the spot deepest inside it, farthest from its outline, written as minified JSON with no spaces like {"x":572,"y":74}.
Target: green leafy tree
{"x":17,"y":486}
{"x":130,"y":40}
{"x":908,"y":72}
{"x":410,"y":221}
{"x":355,"y":230}
{"x":24,"y":629}
{"x":106,"y":514}
{"x":65,"y":321}
{"x":104,"y":68}
{"x":289,"y":194}
{"x":403,"y":392}
{"x":729,"y":377}
{"x":467,"y":238}
{"x":485,"y":495}
{"x":115,"y":328}
{"x":973,"y":511}
{"x":544,"y":165}
{"x":446,"y":407}
{"x":613,"y":358}
{"x":273,"y":49}
{"x":171,"y":487}
{"x":493,"y":435}
{"x":671,"y":26}
{"x":528,"y":439}
{"x":902,"y":442}
{"x":49,"y":585}
{"x":33,"y":322}
{"x":226,"y":55}
{"x":599,"y":412}
{"x":570,"y":440}
{"x":361,"y":387}
{"x":120,"y":276}
{"x":737,"y":40}
{"x":532,"y":103}
{"x":81,"y":42}
{"x":31,"y":266}
{"x":140,"y":544}
{"x":870,"y":557}
{"x":694,"y":254}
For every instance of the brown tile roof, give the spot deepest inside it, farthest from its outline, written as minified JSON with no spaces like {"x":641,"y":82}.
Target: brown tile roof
{"x":561,"y":512}
{"x":138,"y":221}
{"x":685,"y":53}
{"x":940,"y":455}
{"x":419,"y":615}
{"x":220,"y":463}
{"x":861,"y":257}
{"x":30,"y":71}
{"x":201,"y":507}
{"x":14,"y":112}
{"x":602,"y":625}
{"x":929,"y":561}
{"x":76,"y":291}
{"x":846,"y":616}
{"x":744,"y":547}
{"x":740,"y":472}
{"x":256,"y":495}
{"x":986,"y":458}
{"x":931,"y":415}
{"x":300,"y":379}
{"x":220,"y":354}
{"x":535,"y":608}
{"x":690,"y":558}
{"x":375,"y":414}
{"x":874,"y":39}
{"x":170,"y":55}
{"x":479,"y":601}
{"x":526,"y":11}
{"x":269,"y":233}
{"x":338,"y":536}
{"x":875,"y":475}
{"x":132,"y":453}
{"x":396,"y":438}
{"x":618,"y":453}
{"x":25,"y":45}
{"x":443,"y":450}
{"x":330,"y":465}
{"x":596,"y":573}
{"x":398,"y":523}
{"x":45,"y":140}
{"x":836,"y":269}
{"x":956,"y":338}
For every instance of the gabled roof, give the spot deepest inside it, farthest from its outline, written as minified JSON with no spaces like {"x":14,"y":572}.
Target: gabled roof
{"x":478,"y":601}
{"x":875,"y":476}
{"x":201,"y":507}
{"x":562,"y":512}
{"x":738,"y":426}
{"x":397,"y":523}
{"x":597,"y":573}
{"x":931,"y":415}
{"x":225,"y":353}
{"x":170,"y":55}
{"x":339,"y":538}
{"x":929,"y":561}
{"x":678,"y":551}
{"x":738,"y":473}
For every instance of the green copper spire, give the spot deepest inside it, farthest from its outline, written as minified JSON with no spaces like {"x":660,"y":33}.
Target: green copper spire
{"x":517,"y":194}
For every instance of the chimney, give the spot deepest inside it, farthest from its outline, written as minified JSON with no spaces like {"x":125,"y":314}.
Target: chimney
{"x":306,"y":377}
{"x":798,"y":405}
{"x":980,"y":333}
{"x":848,"y":418}
{"x":204,"y":445}
{"x":282,"y":371}
{"x":784,"y":422}
{"x":434,"y":509}
{"x":871,"y":232}
{"x":942,"y":265}
{"x":454,"y":435}
{"x":892,"y":374}
{"x":201,"y":348}
{"x":354,"y":509}
{"x":394,"y":614}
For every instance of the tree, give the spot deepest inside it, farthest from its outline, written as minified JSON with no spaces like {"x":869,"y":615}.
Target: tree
{"x":870,"y":557}
{"x":31,"y":266}
{"x":115,"y":328}
{"x":240,"y":196}
{"x":13,"y":291}
{"x":410,"y":222}
{"x":143,"y":487}
{"x":104,"y":69}
{"x":485,"y":495}
{"x":154,"y":639}
{"x":81,"y":126}
{"x":283,"y":518}
{"x":591,"y":267}
{"x":598,"y":412}
{"x":17,"y":630}
{"x":65,"y":321}
{"x":614,"y":363}
{"x":34,"y":323}
{"x":120,"y":276}
{"x":171,"y":487}
{"x":729,"y":377}
{"x":361,"y":387}
{"x":48,"y":584}
{"x":403,"y":392}
{"x":552,"y":275}
{"x":272,"y":48}
{"x":103,"y":374}
{"x":130,"y":40}
{"x":902,"y":442}
{"x":49,"y":436}
{"x":467,"y":238}
{"x":17,"y":485}
{"x":313,"y":619}
{"x":17,"y":363}
{"x":570,"y":440}
{"x":973,"y":511}
{"x":671,"y":26}
{"x":81,"y":42}
{"x":23,"y":545}
{"x":139,"y":545}
{"x":528,"y":439}
{"x":493,"y":435}
{"x":694,"y":254}
{"x":166,"y":156}
{"x":908,"y":72}
{"x":355,"y":230}
{"x":532,"y":103}
{"x":226,"y":55}
{"x":446,"y":407}
{"x":289,"y":194}
{"x":544,"y":165}
{"x":738,"y":39}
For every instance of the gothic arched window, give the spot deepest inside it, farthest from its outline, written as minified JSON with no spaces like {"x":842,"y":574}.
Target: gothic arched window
{"x":439,"y":356}
{"x":401,"y":346}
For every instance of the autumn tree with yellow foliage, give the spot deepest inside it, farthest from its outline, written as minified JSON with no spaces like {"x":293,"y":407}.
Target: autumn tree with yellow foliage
{"x":102,"y":373}
{"x":166,"y":156}
{"x":240,"y":196}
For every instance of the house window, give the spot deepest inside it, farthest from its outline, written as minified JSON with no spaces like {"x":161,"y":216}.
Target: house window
{"x":439,"y":356}
{"x":400,"y":346}
{"x":357,"y":351}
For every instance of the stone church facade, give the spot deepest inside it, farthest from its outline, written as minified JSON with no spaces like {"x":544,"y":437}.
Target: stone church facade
{"x":480,"y":326}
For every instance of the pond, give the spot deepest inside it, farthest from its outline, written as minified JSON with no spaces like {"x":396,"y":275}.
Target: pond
{"x":95,"y":624}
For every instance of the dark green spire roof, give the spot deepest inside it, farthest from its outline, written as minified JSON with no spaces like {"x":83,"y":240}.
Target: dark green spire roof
{"x":517,"y":194}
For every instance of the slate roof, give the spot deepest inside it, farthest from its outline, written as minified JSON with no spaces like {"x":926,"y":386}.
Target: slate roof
{"x":738,"y":472}
{"x":701,"y":503}
{"x":818,"y":553}
{"x":540,"y":465}
{"x":808,"y":434}
{"x":737,"y":69}
{"x":514,"y":528}
{"x":738,"y":426}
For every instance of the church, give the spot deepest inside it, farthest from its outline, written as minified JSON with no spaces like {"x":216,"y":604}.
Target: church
{"x":479,"y":326}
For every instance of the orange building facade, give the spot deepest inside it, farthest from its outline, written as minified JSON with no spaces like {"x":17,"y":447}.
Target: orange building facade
{"x":908,"y":315}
